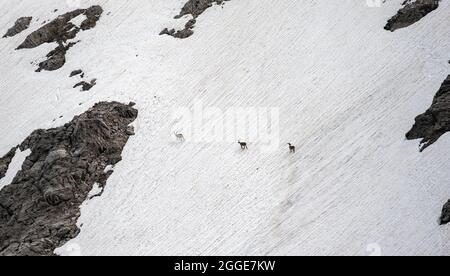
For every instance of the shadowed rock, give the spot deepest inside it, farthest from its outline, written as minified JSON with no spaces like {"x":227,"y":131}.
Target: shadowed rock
{"x":86,"y":86}
{"x":197,"y":7}
{"x":412,"y":12}
{"x":40,"y":208}
{"x":21,"y":25}
{"x":56,"y":58}
{"x":194,"y":8}
{"x":60,"y":31}
{"x":445,"y":217}
{"x":435,"y":122}
{"x":75,"y":73}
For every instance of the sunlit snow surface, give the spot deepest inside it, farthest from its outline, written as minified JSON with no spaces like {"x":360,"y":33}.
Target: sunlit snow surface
{"x":14,"y":167}
{"x":347,"y":91}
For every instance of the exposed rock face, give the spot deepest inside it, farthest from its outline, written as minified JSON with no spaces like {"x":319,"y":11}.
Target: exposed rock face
{"x":40,"y":208}
{"x":75,"y":73}
{"x":56,"y":58}
{"x":431,"y":125}
{"x":197,"y":7}
{"x":60,"y":31}
{"x":182,"y":34}
{"x":21,"y":25}
{"x":412,"y":12}
{"x":5,"y":161}
{"x":86,"y":86}
{"x":435,"y":122}
{"x":194,"y":8}
{"x":445,"y":217}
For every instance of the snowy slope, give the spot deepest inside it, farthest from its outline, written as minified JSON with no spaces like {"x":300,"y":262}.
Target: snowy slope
{"x":347,"y":92}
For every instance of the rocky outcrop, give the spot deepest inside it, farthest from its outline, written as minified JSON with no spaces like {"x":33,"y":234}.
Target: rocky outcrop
{"x":412,"y":12}
{"x":21,"y":25}
{"x":197,"y":7}
{"x":40,"y":208}
{"x":86,"y":86}
{"x":5,"y":161}
{"x":435,"y":122}
{"x":445,"y":217}
{"x":60,"y":31}
{"x":76,"y":73}
{"x":194,"y":8}
{"x":431,"y":125}
{"x":56,"y":58}
{"x":182,"y":34}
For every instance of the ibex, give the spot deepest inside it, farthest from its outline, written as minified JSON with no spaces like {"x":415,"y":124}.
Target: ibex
{"x":291,"y":148}
{"x":179,"y":136}
{"x":243,"y":145}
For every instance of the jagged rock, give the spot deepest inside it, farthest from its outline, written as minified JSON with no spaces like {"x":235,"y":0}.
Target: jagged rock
{"x":56,"y":58}
{"x":197,"y":7}
{"x":181,"y":34}
{"x":5,"y":161}
{"x":60,"y":31}
{"x":86,"y":86}
{"x":92,"y":16}
{"x":445,"y":217}
{"x":75,"y":73}
{"x":194,"y":8}
{"x":166,"y":31}
{"x":435,"y":122}
{"x":21,"y":25}
{"x":412,"y":12}
{"x":40,"y":208}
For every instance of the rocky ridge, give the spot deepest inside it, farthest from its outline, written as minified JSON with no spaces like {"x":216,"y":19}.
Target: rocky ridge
{"x":60,"y":31}
{"x":21,"y":25}
{"x":412,"y":12}
{"x":40,"y":208}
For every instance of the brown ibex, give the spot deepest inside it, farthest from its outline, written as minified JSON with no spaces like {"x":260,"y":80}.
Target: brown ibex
{"x":180,"y":137}
{"x":243,"y":145}
{"x":291,"y":148}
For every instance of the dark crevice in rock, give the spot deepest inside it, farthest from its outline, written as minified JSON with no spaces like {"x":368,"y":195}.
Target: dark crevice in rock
{"x":86,"y":86}
{"x":40,"y":208}
{"x":435,"y":122}
{"x":5,"y":161}
{"x":412,"y":12}
{"x":21,"y":25}
{"x":60,"y":31}
{"x":194,"y":8}
{"x":445,"y":217}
